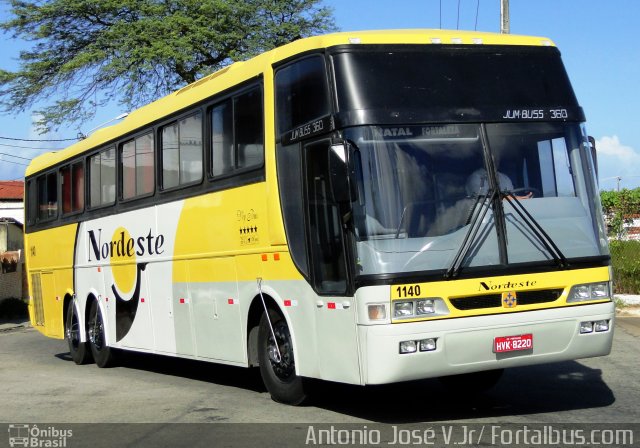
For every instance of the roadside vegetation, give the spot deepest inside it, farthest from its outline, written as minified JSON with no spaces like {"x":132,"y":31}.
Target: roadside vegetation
{"x":625,"y":256}
{"x":620,"y":208}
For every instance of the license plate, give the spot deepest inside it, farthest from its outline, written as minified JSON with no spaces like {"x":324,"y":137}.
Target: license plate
{"x":503,"y":344}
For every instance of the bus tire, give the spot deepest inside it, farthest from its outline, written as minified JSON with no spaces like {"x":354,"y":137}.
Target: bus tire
{"x":102,"y":353}
{"x":279,"y":376}
{"x":79,"y":351}
{"x":472,"y":383}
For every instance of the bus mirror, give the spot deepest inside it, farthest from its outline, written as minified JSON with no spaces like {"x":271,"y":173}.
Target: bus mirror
{"x":339,"y":173}
{"x":594,"y":154}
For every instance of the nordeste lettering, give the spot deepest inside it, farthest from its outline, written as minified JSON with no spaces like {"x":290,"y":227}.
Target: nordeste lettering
{"x":119,"y":246}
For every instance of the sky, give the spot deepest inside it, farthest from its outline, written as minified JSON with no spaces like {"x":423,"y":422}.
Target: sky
{"x":595,"y":38}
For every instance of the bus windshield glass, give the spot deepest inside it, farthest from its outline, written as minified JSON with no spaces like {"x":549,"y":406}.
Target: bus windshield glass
{"x":418,"y":188}
{"x":448,"y":83}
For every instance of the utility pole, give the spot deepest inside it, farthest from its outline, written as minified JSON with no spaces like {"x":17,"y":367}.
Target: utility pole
{"x":504,"y":16}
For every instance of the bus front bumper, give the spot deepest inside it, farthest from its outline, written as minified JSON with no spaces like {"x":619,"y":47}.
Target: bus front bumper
{"x":466,"y":345}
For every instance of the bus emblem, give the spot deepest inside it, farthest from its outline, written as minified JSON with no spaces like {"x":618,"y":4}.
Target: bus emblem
{"x":509,"y":299}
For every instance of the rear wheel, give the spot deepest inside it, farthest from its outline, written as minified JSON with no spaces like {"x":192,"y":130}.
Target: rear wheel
{"x":102,"y":353}
{"x":78,"y":350}
{"x":277,"y":364}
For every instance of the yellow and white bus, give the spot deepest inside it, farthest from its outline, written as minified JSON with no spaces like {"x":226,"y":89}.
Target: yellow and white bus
{"x":365,"y":208}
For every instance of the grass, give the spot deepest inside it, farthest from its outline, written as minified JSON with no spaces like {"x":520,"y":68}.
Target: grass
{"x":625,"y":257}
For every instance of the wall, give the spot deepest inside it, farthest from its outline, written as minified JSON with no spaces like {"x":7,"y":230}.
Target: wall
{"x":11,"y":283}
{"x":13,"y":210}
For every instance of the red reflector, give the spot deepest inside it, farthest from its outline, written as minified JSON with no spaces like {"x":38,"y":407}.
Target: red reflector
{"x":265,"y":257}
{"x":181,"y":300}
{"x":230,"y":301}
{"x":142,"y":299}
{"x":331,"y":305}
{"x":287,"y":303}
{"x":276,"y":257}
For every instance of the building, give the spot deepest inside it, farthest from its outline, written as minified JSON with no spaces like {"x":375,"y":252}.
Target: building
{"x":12,"y":200}
{"x":12,"y":272}
{"x":632,"y":227}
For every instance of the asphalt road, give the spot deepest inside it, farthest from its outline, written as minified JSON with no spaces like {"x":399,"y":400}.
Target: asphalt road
{"x":40,"y":384}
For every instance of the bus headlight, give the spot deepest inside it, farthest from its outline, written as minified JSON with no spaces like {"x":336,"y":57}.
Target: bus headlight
{"x":419,"y":308}
{"x":425,"y":307}
{"x":589,"y":291}
{"x":403,"y":309}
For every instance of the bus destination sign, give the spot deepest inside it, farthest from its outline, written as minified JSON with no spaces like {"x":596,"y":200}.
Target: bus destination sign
{"x":313,"y":128}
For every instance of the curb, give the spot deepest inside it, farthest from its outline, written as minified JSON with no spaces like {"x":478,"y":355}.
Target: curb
{"x":629,"y":305}
{"x":10,"y":326}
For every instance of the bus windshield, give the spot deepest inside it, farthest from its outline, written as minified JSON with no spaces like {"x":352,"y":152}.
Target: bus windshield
{"x":418,"y":188}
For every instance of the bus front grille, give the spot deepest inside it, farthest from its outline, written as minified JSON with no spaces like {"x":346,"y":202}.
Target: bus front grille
{"x":36,"y":285}
{"x":495,"y":300}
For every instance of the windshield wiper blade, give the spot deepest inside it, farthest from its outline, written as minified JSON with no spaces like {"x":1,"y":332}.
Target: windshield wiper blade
{"x":537,"y":229}
{"x":474,"y":227}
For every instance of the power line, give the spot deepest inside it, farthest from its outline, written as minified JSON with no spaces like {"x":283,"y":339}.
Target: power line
{"x":17,"y":157}
{"x":30,"y":147}
{"x":17,"y":163}
{"x":39,"y":140}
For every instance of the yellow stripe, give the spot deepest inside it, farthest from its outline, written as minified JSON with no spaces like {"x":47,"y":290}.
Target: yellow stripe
{"x":523,"y":282}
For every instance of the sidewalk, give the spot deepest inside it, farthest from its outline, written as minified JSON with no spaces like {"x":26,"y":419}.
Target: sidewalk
{"x":7,"y":325}
{"x":630,"y":305}
{"x":629,"y":299}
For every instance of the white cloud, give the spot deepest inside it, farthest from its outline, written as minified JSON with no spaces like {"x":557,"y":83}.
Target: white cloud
{"x":611,"y":146}
{"x":617,"y":160}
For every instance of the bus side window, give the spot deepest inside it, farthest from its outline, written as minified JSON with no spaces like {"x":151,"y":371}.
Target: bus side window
{"x":325,"y":224}
{"x":237,"y":133}
{"x":72,"y":178}
{"x":137,"y":166}
{"x":102,"y":178}
{"x":302,"y":94}
{"x":222,"y":138}
{"x":182,"y":152}
{"x":47,"y":196}
{"x":249,"y":129}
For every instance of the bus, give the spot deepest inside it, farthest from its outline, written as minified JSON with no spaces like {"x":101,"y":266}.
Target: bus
{"x":364,"y":208}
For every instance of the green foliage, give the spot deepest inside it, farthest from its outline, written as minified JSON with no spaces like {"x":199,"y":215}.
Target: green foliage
{"x":625,"y":256}
{"x":87,"y":53}
{"x":618,"y":207}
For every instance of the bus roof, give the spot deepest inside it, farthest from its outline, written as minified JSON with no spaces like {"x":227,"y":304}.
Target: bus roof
{"x":240,"y":71}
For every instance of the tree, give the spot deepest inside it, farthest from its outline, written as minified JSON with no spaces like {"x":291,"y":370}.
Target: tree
{"x":87,"y":53}
{"x":620,"y":207}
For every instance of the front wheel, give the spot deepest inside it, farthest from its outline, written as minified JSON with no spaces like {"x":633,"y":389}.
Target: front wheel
{"x":79,"y":351}
{"x":277,"y":364}
{"x":102,"y":353}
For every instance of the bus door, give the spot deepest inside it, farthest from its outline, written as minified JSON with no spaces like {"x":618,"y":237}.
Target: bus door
{"x":335,"y":311}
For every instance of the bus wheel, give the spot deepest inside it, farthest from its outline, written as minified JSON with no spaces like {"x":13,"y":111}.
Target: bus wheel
{"x":102,"y":353}
{"x":472,"y":383}
{"x":78,"y":350}
{"x":278,"y":370}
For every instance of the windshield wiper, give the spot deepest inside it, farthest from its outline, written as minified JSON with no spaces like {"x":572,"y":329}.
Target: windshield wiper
{"x":537,"y":229}
{"x":476,"y":218}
